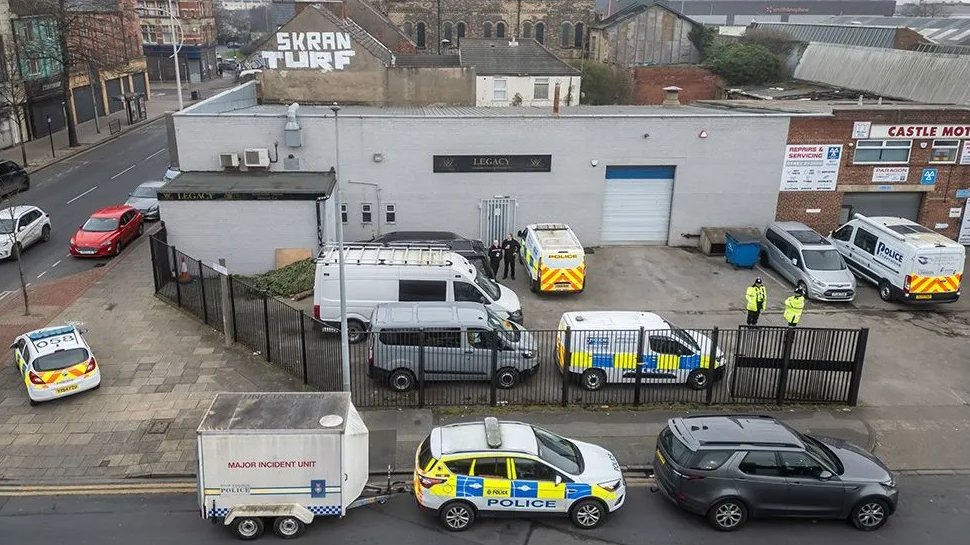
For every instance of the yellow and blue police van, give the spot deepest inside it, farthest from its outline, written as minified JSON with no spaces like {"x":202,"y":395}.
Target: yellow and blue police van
{"x":553,"y":258}
{"x":603,"y":349}
{"x":55,"y":362}
{"x":500,"y":468}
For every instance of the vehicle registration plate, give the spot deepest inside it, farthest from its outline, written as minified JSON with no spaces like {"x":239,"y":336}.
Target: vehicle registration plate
{"x":661,"y":458}
{"x":838,"y":294}
{"x":85,"y":252}
{"x":66,"y":389}
{"x":924,"y":296}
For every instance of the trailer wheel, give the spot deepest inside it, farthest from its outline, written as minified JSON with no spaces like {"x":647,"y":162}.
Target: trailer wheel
{"x":248,"y":528}
{"x":457,"y":516}
{"x":288,"y":527}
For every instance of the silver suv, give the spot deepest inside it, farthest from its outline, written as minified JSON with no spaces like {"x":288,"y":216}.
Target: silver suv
{"x":732,"y":467}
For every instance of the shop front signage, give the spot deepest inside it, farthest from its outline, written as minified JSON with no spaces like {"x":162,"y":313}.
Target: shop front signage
{"x":928,"y":177}
{"x":890,"y":174}
{"x":965,"y":154}
{"x":918,"y":131}
{"x":239,"y":196}
{"x":964,"y":237}
{"x":325,"y":51}
{"x":861,"y":129}
{"x":811,"y":167}
{"x":492,"y":163}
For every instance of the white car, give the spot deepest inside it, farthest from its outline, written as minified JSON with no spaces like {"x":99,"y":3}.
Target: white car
{"x":55,"y":362}
{"x":21,"y":226}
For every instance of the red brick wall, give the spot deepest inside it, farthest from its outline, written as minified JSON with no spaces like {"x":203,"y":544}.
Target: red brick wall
{"x":696,"y":82}
{"x":792,"y":205}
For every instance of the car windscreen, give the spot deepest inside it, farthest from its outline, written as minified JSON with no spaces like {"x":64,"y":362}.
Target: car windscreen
{"x":823,"y":260}
{"x":145,"y":192}
{"x":675,"y":449}
{"x":100,"y":225}
{"x":61,"y":359}
{"x":505,"y":330}
{"x":559,"y":452}
{"x":489,"y":286}
{"x":6,"y":226}
{"x":684,"y":336}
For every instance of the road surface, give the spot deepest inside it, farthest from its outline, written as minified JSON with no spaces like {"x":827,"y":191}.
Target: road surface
{"x":935,"y":510}
{"x":71,"y":190}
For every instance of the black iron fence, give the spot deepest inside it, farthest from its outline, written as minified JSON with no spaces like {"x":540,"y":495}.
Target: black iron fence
{"x":454,"y":367}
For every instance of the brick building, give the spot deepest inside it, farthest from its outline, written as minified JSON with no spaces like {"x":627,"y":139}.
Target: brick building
{"x":195,"y":30}
{"x":695,"y":83}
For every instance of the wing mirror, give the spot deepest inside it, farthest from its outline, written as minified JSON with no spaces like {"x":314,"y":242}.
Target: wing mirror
{"x":13,"y":346}
{"x":21,"y":228}
{"x":825,"y":475}
{"x":558,"y":480}
{"x":794,"y":261}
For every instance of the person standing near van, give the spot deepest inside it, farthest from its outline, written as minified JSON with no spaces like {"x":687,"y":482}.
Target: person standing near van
{"x":794,"y":306}
{"x":495,"y":256}
{"x":511,"y":249}
{"x":756,"y":296}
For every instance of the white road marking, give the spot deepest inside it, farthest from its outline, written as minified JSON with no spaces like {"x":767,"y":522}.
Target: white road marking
{"x":41,"y":274}
{"x":82,"y":194}
{"x":769,"y":275}
{"x":56,"y":264}
{"x":154,"y":154}
{"x":956,"y":395}
{"x":28,"y":284}
{"x":123,"y":171}
{"x":4,"y":294}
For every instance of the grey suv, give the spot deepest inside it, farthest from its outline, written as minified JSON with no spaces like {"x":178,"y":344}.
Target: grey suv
{"x":732,"y":467}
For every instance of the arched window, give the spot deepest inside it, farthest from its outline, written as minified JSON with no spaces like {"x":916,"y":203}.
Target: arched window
{"x":499,"y":30}
{"x":541,"y":33}
{"x":421,"y":38}
{"x":487,"y":30}
{"x":408,"y":30}
{"x":527,"y":30}
{"x":564,"y":35}
{"x":446,"y":33}
{"x":460,"y":27}
{"x":580,"y":35}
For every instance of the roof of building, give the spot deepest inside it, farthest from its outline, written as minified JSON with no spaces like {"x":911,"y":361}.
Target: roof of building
{"x":869,"y":36}
{"x":944,"y":31}
{"x":427,"y":61}
{"x":321,"y":412}
{"x":822,"y":106}
{"x":248,"y":186}
{"x":474,"y":112}
{"x":626,"y":8}
{"x":501,"y":57}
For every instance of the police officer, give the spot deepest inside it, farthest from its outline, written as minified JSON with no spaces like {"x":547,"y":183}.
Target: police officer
{"x":510,"y":247}
{"x":794,"y":306}
{"x":495,"y":256}
{"x":756,"y":296}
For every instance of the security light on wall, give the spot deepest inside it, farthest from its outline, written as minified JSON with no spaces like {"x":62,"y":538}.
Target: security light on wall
{"x":378,"y":157}
{"x":593,"y":163}
{"x":702,"y":134}
{"x":923,"y":145}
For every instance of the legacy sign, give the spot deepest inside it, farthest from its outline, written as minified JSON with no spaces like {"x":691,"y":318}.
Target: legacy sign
{"x":492,"y":163}
{"x":326,"y":51}
{"x":918,"y":131}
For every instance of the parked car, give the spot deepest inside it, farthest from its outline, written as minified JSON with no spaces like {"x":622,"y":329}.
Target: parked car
{"x":171,"y":173}
{"x":145,"y":199}
{"x":107,"y":231}
{"x":13,"y":178}
{"x":473,"y":250}
{"x":228,"y":65}
{"x":733,"y":467}
{"x":20,"y":227}
{"x":807,"y":260}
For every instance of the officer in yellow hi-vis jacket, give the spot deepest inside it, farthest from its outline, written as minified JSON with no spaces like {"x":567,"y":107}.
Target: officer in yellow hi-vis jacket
{"x":794,"y":306}
{"x":757,"y":297}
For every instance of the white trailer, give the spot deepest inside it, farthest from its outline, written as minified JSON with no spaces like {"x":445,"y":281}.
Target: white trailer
{"x":281,"y":459}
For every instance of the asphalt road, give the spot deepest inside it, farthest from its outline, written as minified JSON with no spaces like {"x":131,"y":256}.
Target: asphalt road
{"x":935,"y":509}
{"x":71,"y":190}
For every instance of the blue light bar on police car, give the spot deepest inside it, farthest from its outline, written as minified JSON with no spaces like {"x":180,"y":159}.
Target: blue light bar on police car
{"x":52,"y":332}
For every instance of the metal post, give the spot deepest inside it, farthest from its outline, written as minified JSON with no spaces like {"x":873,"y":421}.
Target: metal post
{"x":178,"y":285}
{"x":493,"y":391}
{"x":50,"y":134}
{"x":421,"y":367}
{"x":712,"y":366}
{"x":232,"y":304}
{"x":344,"y":340}
{"x":94,"y":96}
{"x":641,"y":343}
{"x":175,"y":55}
{"x":226,"y":301}
{"x":306,"y":367}
{"x":205,"y":304}
{"x":782,"y":385}
{"x":155,"y":273}
{"x":266,"y":324}
{"x":564,"y":365}
{"x":860,"y":356}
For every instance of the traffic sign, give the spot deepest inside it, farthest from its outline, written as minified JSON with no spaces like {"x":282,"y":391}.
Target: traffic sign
{"x":928,"y":177}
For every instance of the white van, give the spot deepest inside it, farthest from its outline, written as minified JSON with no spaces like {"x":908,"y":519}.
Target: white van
{"x":907,"y":261}
{"x":391,"y":274}
{"x":553,"y":257}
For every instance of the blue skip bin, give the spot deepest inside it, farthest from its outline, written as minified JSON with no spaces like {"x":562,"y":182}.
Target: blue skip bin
{"x":741,"y":249}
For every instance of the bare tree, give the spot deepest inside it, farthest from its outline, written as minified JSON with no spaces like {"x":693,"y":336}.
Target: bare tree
{"x":8,"y":230}
{"x":924,"y":9}
{"x":13,"y":94}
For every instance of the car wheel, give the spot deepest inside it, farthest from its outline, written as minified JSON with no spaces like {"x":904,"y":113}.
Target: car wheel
{"x":355,"y":331}
{"x":533,"y":285}
{"x":728,"y":515}
{"x":870,"y":515}
{"x":287,"y":527}
{"x":248,"y":528}
{"x":593,"y":379}
{"x":401,"y":380}
{"x":803,"y":287}
{"x":885,"y":291}
{"x":697,"y":379}
{"x":506,"y":378}
{"x":457,"y":516}
{"x":119,"y":247}
{"x":588,"y":513}
{"x":141,"y":228}
{"x":26,"y":185}
{"x":45,"y":233}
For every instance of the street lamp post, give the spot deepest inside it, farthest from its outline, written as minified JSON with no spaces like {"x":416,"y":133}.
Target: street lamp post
{"x":338,"y":205}
{"x":175,"y":56}
{"x":50,"y":133}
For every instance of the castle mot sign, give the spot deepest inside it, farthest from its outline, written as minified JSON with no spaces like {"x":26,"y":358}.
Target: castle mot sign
{"x":326,"y":51}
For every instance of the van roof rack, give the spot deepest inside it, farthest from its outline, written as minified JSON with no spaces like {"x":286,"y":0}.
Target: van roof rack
{"x":379,"y":254}
{"x":493,"y":432}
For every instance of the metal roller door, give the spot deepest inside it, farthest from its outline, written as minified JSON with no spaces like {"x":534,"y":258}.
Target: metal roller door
{"x":139,"y":81}
{"x":898,"y":205}
{"x":636,"y":204}
{"x":84,"y":103}
{"x":114,"y":89}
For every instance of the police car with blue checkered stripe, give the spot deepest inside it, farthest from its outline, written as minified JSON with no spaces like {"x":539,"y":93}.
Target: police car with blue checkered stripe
{"x":55,"y":362}
{"x":463,"y":471}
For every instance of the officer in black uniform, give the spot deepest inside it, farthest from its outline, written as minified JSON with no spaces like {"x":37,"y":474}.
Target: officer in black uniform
{"x":511,"y":249}
{"x":495,"y":256}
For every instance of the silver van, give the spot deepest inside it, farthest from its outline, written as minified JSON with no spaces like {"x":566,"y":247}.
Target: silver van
{"x":807,"y":259}
{"x":458,"y":340}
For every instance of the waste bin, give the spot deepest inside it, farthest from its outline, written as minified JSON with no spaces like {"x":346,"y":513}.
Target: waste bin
{"x":195,"y":95}
{"x":741,"y":249}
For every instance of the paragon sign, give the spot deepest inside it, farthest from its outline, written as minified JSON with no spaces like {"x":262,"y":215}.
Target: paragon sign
{"x":919,"y":131}
{"x":492,"y":163}
{"x":326,"y":51}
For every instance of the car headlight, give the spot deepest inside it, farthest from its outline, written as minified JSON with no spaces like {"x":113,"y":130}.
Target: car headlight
{"x":107,"y":243}
{"x":611,"y":486}
{"x":818,"y":283}
{"x":153,"y":208}
{"x":889,"y":483}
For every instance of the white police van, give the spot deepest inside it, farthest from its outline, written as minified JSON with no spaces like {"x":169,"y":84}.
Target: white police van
{"x":907,"y":261}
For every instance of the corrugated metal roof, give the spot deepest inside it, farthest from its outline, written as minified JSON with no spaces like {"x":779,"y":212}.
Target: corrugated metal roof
{"x":909,"y":75}
{"x":868,"y":36}
{"x":504,"y":112}
{"x":948,"y":31}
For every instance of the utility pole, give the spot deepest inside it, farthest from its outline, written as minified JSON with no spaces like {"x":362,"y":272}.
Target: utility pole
{"x":344,"y":336}
{"x":437,"y":35}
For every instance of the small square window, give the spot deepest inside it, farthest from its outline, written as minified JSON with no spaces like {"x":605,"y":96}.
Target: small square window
{"x":500,"y":90}
{"x":366,"y":214}
{"x":390,"y":213}
{"x":343,"y":213}
{"x":944,"y":151}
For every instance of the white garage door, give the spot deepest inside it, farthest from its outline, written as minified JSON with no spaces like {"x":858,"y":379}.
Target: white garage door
{"x":636,"y":205}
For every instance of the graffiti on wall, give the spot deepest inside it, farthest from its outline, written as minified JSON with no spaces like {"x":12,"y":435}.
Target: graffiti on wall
{"x":326,"y":51}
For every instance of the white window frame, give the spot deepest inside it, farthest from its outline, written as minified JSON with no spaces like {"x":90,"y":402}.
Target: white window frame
{"x":951,"y":145}
{"x":884,"y":144}
{"x":343,"y":213}
{"x":538,"y":83}
{"x":366,"y":213}
{"x":504,"y":90}
{"x":390,"y":213}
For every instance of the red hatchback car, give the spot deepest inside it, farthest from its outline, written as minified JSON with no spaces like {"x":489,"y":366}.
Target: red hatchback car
{"x":107,"y":231}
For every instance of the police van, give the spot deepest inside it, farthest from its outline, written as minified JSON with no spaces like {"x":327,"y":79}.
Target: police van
{"x":603,"y":346}
{"x":907,"y":261}
{"x":55,"y":362}
{"x":553,"y":258}
{"x":463,"y":471}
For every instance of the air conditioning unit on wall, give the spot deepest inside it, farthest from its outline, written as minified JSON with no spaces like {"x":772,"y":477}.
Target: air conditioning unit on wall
{"x":229,"y":160}
{"x":256,"y":157}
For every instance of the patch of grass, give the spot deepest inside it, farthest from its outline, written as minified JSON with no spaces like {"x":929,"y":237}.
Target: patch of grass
{"x":287,"y":281}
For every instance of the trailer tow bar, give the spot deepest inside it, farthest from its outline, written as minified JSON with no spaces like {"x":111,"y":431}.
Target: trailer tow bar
{"x":382,"y":494}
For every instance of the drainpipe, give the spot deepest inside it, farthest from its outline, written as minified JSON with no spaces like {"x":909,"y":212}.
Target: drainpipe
{"x":377,"y":189}
{"x":555,"y":101}
{"x":321,"y":202}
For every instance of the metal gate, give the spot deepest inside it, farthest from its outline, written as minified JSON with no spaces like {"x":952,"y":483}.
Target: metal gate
{"x":498,"y":218}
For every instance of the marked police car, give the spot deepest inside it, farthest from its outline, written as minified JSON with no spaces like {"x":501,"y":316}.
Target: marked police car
{"x":55,"y":362}
{"x":463,"y":471}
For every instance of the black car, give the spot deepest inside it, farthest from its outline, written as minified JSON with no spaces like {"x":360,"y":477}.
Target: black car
{"x":13,"y":178}
{"x":473,"y":250}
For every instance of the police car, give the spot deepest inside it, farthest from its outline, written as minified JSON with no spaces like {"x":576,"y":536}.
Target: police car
{"x":55,"y":362}
{"x":463,"y":471}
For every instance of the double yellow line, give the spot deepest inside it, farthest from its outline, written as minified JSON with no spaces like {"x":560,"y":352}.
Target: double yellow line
{"x":112,"y":489}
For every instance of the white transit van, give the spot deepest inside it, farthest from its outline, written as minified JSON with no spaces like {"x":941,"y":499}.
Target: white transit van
{"x":907,"y":261}
{"x":553,"y":258}
{"x":391,"y":274}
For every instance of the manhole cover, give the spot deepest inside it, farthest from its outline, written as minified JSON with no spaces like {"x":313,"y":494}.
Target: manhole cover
{"x":158,"y":427}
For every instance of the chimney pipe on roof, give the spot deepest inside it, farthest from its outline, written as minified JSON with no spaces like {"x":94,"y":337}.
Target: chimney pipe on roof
{"x":672,"y":96}
{"x":555,"y":101}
